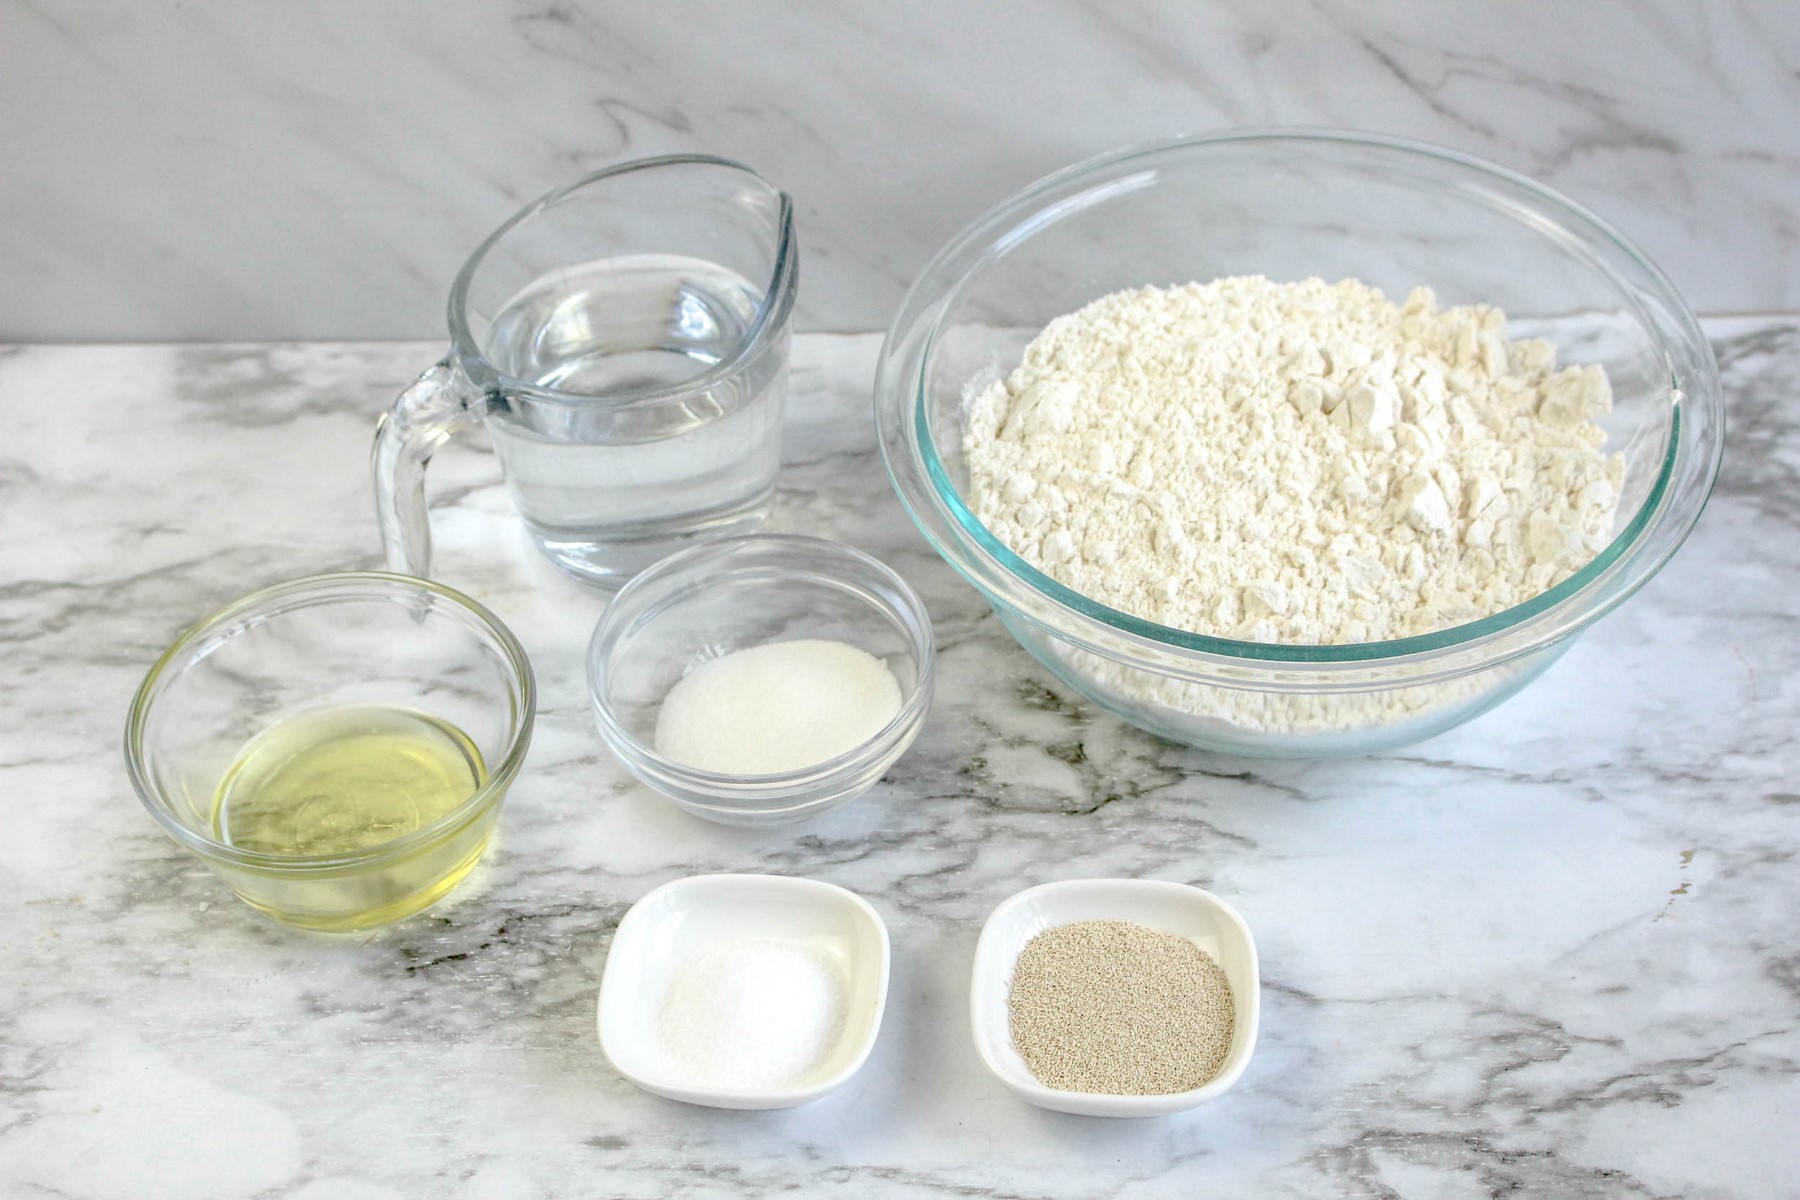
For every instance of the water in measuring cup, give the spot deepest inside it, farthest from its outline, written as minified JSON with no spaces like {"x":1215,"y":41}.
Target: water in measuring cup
{"x":609,"y":483}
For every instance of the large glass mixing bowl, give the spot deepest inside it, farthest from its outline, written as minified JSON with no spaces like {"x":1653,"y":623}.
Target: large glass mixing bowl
{"x":1290,"y":204}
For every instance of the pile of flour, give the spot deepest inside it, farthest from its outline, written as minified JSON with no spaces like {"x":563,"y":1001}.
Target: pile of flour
{"x":1294,"y":462}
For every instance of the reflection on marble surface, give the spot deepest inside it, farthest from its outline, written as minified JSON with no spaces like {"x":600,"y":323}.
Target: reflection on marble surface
{"x":1549,"y":953}
{"x":217,"y":169}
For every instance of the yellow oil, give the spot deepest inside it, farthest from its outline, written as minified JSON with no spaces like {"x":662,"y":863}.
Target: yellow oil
{"x":341,"y":780}
{"x":344,"y":779}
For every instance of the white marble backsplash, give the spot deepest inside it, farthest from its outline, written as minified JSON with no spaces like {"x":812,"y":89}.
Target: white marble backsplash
{"x":264,"y":169}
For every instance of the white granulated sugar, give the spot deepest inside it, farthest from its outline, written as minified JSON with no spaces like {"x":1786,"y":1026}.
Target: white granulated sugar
{"x":780,"y":706}
{"x":1303,"y":463}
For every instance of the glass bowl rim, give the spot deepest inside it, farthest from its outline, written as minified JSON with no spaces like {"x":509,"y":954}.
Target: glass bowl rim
{"x":312,"y":591}
{"x":820,"y":777}
{"x":1011,"y":222}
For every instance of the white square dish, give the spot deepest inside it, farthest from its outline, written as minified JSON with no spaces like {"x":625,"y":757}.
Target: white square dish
{"x":1175,"y":908}
{"x":687,"y":917}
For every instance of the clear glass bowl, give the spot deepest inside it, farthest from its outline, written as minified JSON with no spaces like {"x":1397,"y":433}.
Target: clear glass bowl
{"x":324,"y":642}
{"x":715,"y":599}
{"x":1291,"y":204}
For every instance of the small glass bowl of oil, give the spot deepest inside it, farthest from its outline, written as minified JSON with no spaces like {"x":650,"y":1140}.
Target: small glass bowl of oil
{"x":337,"y":747}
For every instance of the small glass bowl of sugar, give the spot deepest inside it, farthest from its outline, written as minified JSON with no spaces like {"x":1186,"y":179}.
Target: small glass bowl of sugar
{"x":762,"y":680}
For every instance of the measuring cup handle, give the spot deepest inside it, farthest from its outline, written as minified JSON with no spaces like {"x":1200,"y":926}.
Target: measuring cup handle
{"x":424,"y":417}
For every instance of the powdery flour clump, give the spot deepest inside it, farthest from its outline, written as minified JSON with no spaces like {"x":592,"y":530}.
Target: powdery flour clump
{"x":1295,"y":462}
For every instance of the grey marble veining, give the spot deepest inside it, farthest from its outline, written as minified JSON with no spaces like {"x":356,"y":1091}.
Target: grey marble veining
{"x":256,"y":169}
{"x":1551,"y":953}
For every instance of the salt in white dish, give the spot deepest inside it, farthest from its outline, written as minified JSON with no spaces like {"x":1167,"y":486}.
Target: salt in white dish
{"x":1175,"y":908}
{"x":683,"y":918}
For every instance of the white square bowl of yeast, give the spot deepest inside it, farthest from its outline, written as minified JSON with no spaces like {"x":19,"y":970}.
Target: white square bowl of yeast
{"x":1168,"y":908}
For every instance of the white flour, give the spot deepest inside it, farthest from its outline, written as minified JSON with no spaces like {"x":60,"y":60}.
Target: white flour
{"x":1301,"y":463}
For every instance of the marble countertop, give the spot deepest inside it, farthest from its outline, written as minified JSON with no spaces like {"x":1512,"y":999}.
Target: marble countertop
{"x":1552,"y":952}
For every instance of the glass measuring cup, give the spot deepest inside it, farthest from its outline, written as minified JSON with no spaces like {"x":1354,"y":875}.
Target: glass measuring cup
{"x":624,"y":339}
